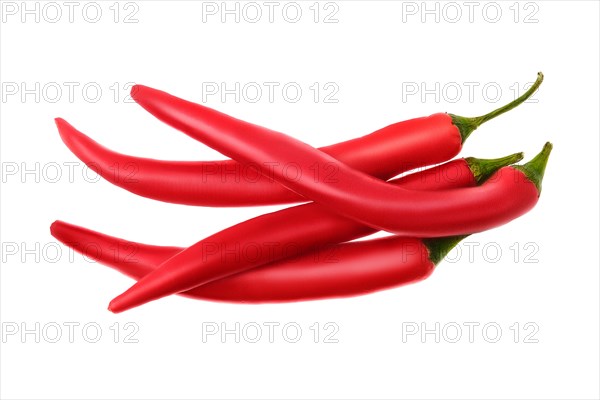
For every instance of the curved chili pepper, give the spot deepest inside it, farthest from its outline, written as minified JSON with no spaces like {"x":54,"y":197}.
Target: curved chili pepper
{"x":341,"y":270}
{"x":284,"y":234}
{"x":228,"y":183}
{"x":349,"y":192}
{"x":397,"y":148}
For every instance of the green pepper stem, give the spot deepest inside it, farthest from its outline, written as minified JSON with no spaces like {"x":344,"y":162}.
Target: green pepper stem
{"x":484,"y":168}
{"x":466,"y":125}
{"x":534,"y":169}
{"x":439,"y":247}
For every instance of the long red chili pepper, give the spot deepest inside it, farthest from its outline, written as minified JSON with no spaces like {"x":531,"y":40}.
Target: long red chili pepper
{"x":341,"y":270}
{"x":349,"y":192}
{"x":283,"y":234}
{"x":396,"y":148}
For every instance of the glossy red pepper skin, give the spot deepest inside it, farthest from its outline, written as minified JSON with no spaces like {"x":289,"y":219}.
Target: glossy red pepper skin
{"x":384,"y":154}
{"x":282,"y":234}
{"x":360,"y":268}
{"x":342,"y":270}
{"x":351,"y":193}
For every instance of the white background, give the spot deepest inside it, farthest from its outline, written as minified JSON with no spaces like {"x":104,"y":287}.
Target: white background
{"x":373,"y":53}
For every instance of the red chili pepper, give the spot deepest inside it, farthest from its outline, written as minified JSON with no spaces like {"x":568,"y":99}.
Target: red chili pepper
{"x":396,"y":148}
{"x":341,"y":270}
{"x":349,"y":192}
{"x":283,"y":234}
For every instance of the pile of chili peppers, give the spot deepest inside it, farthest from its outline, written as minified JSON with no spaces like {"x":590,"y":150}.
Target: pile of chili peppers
{"x":307,"y":251}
